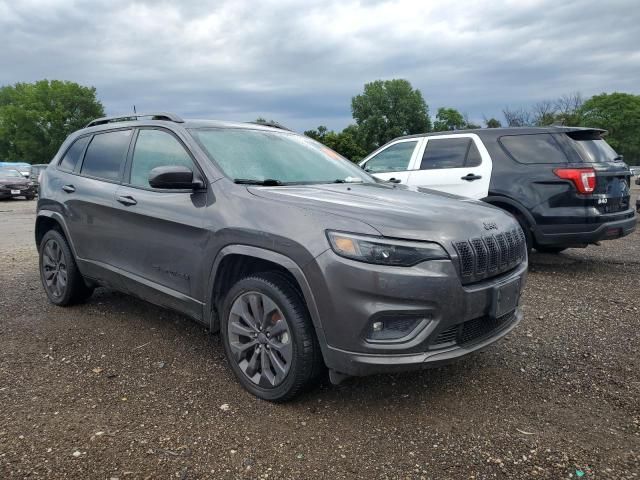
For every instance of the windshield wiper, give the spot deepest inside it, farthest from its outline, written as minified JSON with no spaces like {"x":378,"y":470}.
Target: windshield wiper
{"x":342,"y":180}
{"x":268,"y":182}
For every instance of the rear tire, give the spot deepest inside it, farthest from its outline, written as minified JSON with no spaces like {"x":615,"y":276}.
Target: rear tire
{"x":59,"y":273}
{"x":276,"y":354}
{"x":553,"y":250}
{"x":526,"y":228}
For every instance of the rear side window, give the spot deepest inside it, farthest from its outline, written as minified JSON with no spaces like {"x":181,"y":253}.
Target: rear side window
{"x":105,"y":155}
{"x":70,"y":159}
{"x":155,"y":148}
{"x":537,"y":148}
{"x":445,"y":153}
{"x":392,"y":159}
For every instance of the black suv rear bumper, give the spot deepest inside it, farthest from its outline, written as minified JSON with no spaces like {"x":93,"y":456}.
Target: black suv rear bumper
{"x":567,"y":235}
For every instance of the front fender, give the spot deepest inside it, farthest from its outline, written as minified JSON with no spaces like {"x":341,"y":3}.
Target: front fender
{"x":271,"y":256}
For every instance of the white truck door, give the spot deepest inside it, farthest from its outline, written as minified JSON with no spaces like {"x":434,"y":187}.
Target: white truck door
{"x":392,"y":161}
{"x":454,"y":163}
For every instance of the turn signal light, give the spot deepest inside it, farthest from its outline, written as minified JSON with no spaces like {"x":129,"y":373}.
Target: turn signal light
{"x":583,"y":178}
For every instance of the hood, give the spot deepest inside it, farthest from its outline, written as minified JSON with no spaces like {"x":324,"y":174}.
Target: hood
{"x":398,"y":211}
{"x":14,"y":181}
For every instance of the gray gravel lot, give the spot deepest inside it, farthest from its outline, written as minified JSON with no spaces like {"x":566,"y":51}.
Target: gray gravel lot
{"x":118,"y":388}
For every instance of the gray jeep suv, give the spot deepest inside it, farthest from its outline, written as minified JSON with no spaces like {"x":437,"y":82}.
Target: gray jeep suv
{"x":301,"y":259}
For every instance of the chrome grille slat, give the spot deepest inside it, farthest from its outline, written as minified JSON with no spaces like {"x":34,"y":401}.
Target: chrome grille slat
{"x":481,"y":258}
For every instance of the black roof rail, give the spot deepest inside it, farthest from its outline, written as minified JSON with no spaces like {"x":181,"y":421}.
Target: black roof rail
{"x":272,"y":124}
{"x":170,"y":117}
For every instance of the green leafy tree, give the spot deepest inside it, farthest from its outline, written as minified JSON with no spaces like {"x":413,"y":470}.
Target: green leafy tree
{"x":619,"y":114}
{"x":493,"y":123}
{"x":345,"y":142}
{"x":35,"y":118}
{"x":448,"y":119}
{"x":388,"y":109}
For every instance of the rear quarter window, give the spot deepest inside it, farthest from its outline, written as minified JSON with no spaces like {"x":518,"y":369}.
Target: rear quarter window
{"x":539,"y":148}
{"x":106,"y":154}
{"x":75,"y":151}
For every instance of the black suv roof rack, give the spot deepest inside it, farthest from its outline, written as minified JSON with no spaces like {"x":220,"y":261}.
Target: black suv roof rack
{"x":170,"y":117}
{"x":272,"y":124}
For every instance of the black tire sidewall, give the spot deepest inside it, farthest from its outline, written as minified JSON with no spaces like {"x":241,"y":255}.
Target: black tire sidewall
{"x":75,"y":283}
{"x":296,"y":316}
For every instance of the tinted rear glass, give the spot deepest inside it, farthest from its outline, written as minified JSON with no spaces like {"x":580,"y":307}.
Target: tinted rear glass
{"x":445,"y":153}
{"x":596,"y":151}
{"x":105,"y":154}
{"x":70,"y":159}
{"x":536,"y":148}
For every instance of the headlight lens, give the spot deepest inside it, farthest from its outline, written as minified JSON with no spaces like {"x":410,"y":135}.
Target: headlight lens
{"x":381,"y":251}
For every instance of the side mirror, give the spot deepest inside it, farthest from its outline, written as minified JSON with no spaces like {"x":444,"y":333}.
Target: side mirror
{"x":174,"y":177}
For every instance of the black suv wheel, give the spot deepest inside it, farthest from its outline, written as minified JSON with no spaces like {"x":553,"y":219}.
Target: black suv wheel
{"x":60,"y":277}
{"x":268,"y":337}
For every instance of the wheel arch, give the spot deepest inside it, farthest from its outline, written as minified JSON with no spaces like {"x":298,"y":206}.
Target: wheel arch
{"x":511,"y":206}
{"x":48,"y":220}
{"x":236,"y":261}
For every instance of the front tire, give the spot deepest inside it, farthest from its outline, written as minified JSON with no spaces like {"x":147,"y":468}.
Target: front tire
{"x":59,"y":273}
{"x":268,"y":337}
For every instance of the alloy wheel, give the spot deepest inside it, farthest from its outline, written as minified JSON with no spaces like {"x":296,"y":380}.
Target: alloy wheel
{"x":54,"y":268}
{"x":260,"y":339}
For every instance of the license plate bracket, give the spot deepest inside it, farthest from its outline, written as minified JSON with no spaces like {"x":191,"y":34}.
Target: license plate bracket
{"x":505,"y":298}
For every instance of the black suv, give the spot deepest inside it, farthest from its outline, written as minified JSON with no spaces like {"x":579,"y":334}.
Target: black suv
{"x":566,"y":186}
{"x":299,"y":257}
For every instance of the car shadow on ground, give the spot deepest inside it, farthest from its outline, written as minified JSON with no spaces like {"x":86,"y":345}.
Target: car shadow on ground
{"x":400,"y":389}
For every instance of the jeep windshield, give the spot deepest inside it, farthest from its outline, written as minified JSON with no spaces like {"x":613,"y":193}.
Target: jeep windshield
{"x":270,"y":158}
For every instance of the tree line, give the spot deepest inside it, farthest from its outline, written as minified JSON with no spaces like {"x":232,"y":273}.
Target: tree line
{"x":35,"y":118}
{"x":390,"y":108}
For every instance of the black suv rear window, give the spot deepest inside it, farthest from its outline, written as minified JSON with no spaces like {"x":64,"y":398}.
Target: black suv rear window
{"x":591,"y":147}
{"x":536,"y":148}
{"x":70,"y":159}
{"x":105,"y":155}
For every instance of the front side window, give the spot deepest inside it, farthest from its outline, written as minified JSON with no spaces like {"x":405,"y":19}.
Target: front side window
{"x":70,"y":159}
{"x":395,"y":158}
{"x":445,"y":153}
{"x":258,"y":155}
{"x":105,"y":154}
{"x":155,"y":148}
{"x":536,"y":148}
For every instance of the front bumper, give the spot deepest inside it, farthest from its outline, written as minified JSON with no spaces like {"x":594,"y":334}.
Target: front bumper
{"x":359,"y":364}
{"x":6,"y":192}
{"x":455,"y":319}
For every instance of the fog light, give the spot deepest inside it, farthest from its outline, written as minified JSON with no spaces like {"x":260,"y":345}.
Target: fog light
{"x":391,"y":327}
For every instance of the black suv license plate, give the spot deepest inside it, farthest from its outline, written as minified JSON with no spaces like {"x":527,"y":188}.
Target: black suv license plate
{"x":505,"y":298}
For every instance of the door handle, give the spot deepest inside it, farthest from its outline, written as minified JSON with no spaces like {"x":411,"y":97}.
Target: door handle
{"x":69,"y":188}
{"x":471,"y":177}
{"x":395,"y":180}
{"x":127,"y":200}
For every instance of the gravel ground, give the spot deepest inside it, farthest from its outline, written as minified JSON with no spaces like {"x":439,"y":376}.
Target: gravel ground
{"x":118,"y":388}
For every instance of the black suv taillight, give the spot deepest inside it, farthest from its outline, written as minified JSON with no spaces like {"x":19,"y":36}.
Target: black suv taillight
{"x":583,"y":178}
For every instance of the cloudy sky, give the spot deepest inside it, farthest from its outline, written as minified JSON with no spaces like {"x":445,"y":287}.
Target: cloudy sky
{"x":300,"y":62}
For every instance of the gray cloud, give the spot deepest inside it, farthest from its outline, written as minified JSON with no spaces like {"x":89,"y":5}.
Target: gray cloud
{"x":301,"y":62}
